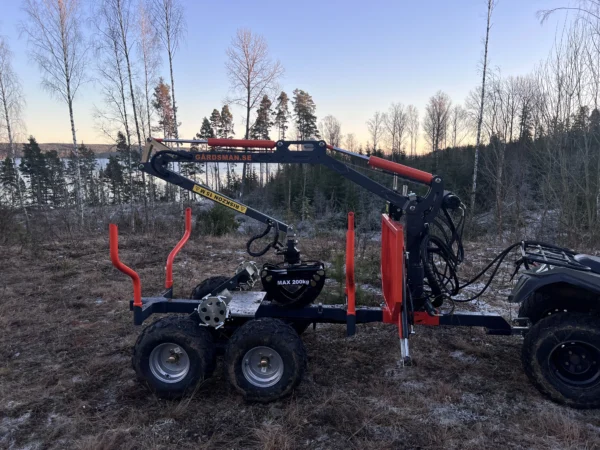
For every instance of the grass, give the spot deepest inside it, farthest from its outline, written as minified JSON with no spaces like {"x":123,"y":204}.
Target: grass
{"x":66,"y":379}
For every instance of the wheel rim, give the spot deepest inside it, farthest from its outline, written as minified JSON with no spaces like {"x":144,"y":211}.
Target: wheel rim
{"x":262,"y":367}
{"x":169,"y":362}
{"x":576,"y":363}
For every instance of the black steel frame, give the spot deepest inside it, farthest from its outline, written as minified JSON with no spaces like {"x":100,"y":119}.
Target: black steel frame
{"x":494,"y":323}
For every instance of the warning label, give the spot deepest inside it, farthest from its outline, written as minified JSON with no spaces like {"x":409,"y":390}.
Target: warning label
{"x":219,"y":199}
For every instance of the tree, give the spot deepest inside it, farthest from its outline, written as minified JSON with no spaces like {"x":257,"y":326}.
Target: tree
{"x":304,"y":114}
{"x":56,"y":179}
{"x":350,"y":142}
{"x":169,"y":16}
{"x":109,"y":60}
{"x":282,"y":114}
{"x":206,"y":132}
{"x":148,"y":43}
{"x":435,"y":122}
{"x":34,"y":169}
{"x":11,"y":103}
{"x":396,"y":126}
{"x":262,"y":124}
{"x":490,"y":8}
{"x":59,"y":49}
{"x":11,"y":181}
{"x":226,"y":123}
{"x":458,"y":125}
{"x":113,"y":176}
{"x":412,"y":118}
{"x":162,"y":104}
{"x":215,"y":124}
{"x":376,"y":127}
{"x":331,"y":130}
{"x":252,"y":74}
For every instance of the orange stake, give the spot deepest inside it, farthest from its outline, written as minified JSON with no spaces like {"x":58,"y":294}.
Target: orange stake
{"x":114,"y":257}
{"x":180,"y":244}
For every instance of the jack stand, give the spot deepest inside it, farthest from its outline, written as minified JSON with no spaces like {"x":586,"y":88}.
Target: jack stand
{"x":405,"y":360}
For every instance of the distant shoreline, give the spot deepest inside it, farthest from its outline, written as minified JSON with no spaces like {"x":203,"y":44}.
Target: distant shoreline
{"x":100,"y":150}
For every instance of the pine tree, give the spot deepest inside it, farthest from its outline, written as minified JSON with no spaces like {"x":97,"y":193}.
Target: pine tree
{"x":304,"y":114}
{"x":226,"y":125}
{"x":206,"y":130}
{"x":282,"y":115}
{"x":33,"y":166}
{"x":215,"y":122}
{"x":9,"y":177}
{"x":161,"y":102}
{"x":262,"y":125}
{"x":56,"y":178}
{"x":113,"y":176}
{"x":127,"y":161}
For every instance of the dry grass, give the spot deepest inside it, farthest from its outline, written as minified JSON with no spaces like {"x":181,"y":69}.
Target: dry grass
{"x":66,"y":379}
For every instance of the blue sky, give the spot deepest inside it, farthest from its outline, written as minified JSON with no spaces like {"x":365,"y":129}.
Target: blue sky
{"x":353,"y":57}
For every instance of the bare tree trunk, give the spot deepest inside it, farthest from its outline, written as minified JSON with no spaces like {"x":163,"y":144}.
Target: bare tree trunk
{"x":13,"y":152}
{"x":480,"y":118}
{"x":135,"y":117}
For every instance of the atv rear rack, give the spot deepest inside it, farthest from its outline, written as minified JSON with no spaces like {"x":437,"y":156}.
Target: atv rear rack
{"x":535,"y":254}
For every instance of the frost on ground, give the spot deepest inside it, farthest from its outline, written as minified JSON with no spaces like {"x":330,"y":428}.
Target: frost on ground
{"x":66,"y":380}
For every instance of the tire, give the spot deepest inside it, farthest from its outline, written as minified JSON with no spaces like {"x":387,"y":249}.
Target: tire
{"x":561,"y":357}
{"x":538,"y":306}
{"x":207,"y":286}
{"x":284,"y":356}
{"x":179,"y":337}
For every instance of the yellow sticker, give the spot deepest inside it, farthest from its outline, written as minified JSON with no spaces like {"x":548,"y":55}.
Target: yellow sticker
{"x":219,"y":199}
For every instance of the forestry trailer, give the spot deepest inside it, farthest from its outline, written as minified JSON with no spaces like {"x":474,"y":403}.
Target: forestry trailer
{"x":258,"y":330}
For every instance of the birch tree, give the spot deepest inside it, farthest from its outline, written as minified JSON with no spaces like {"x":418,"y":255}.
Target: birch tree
{"x":252,"y":74}
{"x":412,"y":118}
{"x":168,"y":15}
{"x":490,"y":8}
{"x":148,"y":43}
{"x":331,"y":130}
{"x":396,"y":127}
{"x":57,"y":46}
{"x":11,"y":104}
{"x":376,"y":127}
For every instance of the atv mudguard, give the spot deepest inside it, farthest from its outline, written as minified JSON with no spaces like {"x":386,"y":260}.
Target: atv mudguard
{"x":530,"y":282}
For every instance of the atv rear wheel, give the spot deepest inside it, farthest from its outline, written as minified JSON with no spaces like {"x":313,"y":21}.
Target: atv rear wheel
{"x":173,"y":355}
{"x":561,"y":357}
{"x":265,"y":360}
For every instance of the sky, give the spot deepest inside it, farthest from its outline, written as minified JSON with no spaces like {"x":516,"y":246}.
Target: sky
{"x":354,"y":57}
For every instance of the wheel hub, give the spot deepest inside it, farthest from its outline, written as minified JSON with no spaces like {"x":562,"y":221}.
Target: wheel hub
{"x":169,"y":362}
{"x":576,"y":363}
{"x":262,"y":366}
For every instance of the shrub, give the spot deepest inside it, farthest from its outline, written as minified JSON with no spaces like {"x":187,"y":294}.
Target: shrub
{"x":217,"y":221}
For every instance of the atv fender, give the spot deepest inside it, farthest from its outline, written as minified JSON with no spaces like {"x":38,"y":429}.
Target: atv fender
{"x":530,"y":282}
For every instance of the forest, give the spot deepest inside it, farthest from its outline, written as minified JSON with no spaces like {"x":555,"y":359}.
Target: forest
{"x":517,"y":147}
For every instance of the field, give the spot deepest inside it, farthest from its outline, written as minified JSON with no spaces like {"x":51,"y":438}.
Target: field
{"x":66,"y":379}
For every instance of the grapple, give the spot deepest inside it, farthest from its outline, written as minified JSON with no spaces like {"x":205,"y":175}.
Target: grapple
{"x":293,"y":286}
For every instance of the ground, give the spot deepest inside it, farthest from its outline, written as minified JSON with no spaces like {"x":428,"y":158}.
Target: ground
{"x":66,"y":380}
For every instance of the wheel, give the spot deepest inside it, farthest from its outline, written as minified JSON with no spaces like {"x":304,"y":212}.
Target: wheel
{"x":538,"y":305}
{"x":173,"y":355}
{"x":207,"y":286}
{"x":561,"y":357}
{"x":265,"y":360}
